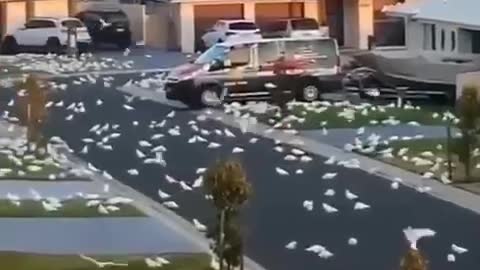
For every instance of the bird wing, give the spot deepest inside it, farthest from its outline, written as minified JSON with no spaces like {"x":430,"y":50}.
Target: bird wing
{"x":413,"y":235}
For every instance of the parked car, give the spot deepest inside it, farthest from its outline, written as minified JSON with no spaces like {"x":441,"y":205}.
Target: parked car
{"x":293,"y":27}
{"x":248,"y":70}
{"x":46,"y":34}
{"x":107,"y":26}
{"x":224,"y":29}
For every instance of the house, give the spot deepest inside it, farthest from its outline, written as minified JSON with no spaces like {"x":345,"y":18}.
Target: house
{"x":351,"y":21}
{"x":14,"y":13}
{"x":179,"y":24}
{"x":447,"y":28}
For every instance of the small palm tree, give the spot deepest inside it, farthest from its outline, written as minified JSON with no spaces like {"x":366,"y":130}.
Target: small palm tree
{"x":413,"y":260}
{"x":227,"y":182}
{"x":32,"y":98}
{"x":468,"y":110}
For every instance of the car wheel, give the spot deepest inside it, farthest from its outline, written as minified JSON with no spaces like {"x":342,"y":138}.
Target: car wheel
{"x":122,"y":45}
{"x":310,"y":91}
{"x":9,"y":45}
{"x":207,"y":96}
{"x":53,"y":45}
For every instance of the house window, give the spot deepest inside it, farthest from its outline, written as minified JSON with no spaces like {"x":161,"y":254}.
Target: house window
{"x":453,"y":40}
{"x":442,"y":39}
{"x":429,"y":37}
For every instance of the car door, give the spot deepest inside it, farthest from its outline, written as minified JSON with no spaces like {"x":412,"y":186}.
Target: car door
{"x":25,"y":36}
{"x":238,"y":71}
{"x":264,"y":79}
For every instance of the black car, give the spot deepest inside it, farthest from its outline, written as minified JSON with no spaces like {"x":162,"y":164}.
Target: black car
{"x":107,"y":26}
{"x":257,"y":70}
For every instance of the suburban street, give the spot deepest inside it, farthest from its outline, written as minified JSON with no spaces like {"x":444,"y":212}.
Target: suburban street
{"x":274,"y":216}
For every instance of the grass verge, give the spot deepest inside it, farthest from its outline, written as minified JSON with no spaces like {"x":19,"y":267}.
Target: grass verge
{"x":28,"y":261}
{"x":27,"y":167}
{"x":73,"y":208}
{"x":433,"y":151}
{"x":316,"y":116}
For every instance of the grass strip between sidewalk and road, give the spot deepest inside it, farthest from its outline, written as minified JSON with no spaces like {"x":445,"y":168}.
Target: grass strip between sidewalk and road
{"x":438,"y":149}
{"x":73,"y":208}
{"x":28,"y":261}
{"x":311,"y":116}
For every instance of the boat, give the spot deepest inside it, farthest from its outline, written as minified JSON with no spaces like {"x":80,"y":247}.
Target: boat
{"x":441,"y":40}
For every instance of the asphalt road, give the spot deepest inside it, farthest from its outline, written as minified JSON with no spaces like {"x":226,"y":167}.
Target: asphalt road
{"x":274,"y":216}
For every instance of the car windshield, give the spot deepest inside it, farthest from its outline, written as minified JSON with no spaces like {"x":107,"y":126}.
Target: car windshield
{"x":243,"y":26}
{"x":305,"y":24}
{"x":215,"y":53}
{"x":72,"y":23}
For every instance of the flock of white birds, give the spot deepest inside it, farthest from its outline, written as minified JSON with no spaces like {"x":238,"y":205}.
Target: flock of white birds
{"x":152,"y":151}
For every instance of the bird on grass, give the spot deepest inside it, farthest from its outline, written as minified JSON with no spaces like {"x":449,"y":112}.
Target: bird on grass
{"x":100,"y":264}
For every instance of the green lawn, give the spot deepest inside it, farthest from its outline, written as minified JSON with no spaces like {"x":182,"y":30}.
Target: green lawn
{"x":313,"y":116}
{"x":26,"y":167}
{"x":73,"y":208}
{"x":438,"y":147}
{"x":27,"y":261}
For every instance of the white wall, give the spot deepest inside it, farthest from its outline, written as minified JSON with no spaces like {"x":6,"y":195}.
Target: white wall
{"x":187,"y":28}
{"x":15,"y":16}
{"x":137,"y":17}
{"x":158,"y":32}
{"x":364,"y":22}
{"x":311,"y":9}
{"x":53,"y":8}
{"x":350,"y":23}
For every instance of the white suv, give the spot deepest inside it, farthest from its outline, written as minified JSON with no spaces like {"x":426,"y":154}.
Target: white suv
{"x":225,"y":29}
{"x":47,"y":34}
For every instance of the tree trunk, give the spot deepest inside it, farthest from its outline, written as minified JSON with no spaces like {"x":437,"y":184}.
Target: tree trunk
{"x":449,"y":152}
{"x":221,"y":239}
{"x":468,"y":153}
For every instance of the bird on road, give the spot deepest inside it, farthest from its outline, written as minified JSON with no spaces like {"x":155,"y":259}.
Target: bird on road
{"x":360,"y":206}
{"x":413,"y":235}
{"x":170,"y":179}
{"x":328,"y":208}
{"x":199,"y":226}
{"x":329,"y":175}
{"x":163,"y":195}
{"x":308,"y":205}
{"x":291,"y":245}
{"x":349,"y":195}
{"x":458,"y":249}
{"x":329,"y":192}
{"x":281,"y":171}
{"x":171,"y":204}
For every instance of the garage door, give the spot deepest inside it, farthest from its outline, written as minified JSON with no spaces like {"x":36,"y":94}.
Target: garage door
{"x":51,"y":8}
{"x":268,"y":11}
{"x":207,"y":15}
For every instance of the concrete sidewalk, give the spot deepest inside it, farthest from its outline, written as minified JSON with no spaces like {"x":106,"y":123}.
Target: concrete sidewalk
{"x":92,"y":236}
{"x":341,"y":136}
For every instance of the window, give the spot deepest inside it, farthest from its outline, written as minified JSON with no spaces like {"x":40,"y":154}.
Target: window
{"x":429,"y":37}
{"x":267,"y":52}
{"x":239,"y":56}
{"x":72,"y":23}
{"x":322,"y":51}
{"x":433,"y":30}
{"x":453,"y":40}
{"x":242,"y":26}
{"x":39,"y":24}
{"x":305,"y":24}
{"x":274,"y":26}
{"x":442,"y":39}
